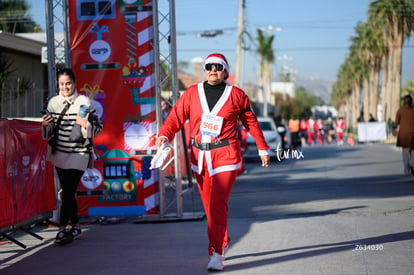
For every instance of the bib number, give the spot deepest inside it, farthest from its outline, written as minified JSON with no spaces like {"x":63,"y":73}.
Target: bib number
{"x":211,"y":125}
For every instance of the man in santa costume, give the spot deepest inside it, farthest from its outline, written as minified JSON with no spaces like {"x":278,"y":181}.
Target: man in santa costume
{"x":213,"y":107}
{"x":311,"y":130}
{"x":339,"y":127}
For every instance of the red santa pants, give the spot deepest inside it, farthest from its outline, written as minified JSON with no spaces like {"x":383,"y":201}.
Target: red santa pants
{"x":311,"y":137}
{"x":215,"y":192}
{"x":339,"y":134}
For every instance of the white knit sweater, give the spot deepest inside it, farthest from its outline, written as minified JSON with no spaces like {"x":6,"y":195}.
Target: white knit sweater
{"x":70,"y":155}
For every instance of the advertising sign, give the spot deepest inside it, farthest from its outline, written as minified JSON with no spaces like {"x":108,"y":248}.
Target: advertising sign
{"x":112,"y":56}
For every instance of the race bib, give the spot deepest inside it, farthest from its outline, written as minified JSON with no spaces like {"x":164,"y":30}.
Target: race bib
{"x":211,"y":125}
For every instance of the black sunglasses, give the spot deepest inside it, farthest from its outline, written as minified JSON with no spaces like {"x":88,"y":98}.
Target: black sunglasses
{"x":219,"y":67}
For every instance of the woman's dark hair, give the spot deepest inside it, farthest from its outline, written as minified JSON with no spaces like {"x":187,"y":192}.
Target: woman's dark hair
{"x":66,"y":71}
{"x":409,"y":100}
{"x":278,"y":119}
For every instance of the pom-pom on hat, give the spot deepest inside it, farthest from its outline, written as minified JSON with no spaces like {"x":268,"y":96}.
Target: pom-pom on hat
{"x":217,"y":58}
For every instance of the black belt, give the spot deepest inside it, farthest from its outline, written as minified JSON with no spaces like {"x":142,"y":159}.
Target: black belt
{"x":207,"y":146}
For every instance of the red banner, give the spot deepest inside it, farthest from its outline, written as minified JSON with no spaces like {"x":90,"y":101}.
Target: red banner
{"x":113,"y":58}
{"x":6,"y":188}
{"x":28,"y":180}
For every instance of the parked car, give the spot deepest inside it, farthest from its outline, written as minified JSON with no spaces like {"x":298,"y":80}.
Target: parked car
{"x":271,"y":135}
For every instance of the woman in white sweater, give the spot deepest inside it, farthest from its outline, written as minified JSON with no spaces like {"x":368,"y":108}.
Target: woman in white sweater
{"x":70,"y":158}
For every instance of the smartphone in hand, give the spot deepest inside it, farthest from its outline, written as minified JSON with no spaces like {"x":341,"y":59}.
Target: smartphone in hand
{"x":45,"y":112}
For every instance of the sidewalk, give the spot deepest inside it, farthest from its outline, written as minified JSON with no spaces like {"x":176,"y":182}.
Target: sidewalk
{"x":339,"y":210}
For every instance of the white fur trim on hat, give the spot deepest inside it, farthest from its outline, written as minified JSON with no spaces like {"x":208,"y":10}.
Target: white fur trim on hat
{"x":216,"y":59}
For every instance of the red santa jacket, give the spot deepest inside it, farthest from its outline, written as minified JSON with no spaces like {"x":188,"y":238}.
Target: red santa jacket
{"x":340,"y":126}
{"x":233,"y":103}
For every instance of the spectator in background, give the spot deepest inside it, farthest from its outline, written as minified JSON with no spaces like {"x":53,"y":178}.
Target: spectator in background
{"x":303,"y":132}
{"x":293,"y":126}
{"x":371,"y":118}
{"x":330,"y":130}
{"x":361,"y":117}
{"x":281,"y":129}
{"x":320,"y":130}
{"x":165,"y":109}
{"x":339,"y":127}
{"x":391,"y":127}
{"x":405,"y":139}
{"x":311,"y":130}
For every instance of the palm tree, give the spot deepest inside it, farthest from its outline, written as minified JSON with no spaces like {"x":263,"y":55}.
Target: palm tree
{"x":358,"y":74}
{"x":340,"y":90}
{"x":266,"y":58}
{"x":379,"y":45}
{"x":6,"y":69}
{"x":409,"y":88}
{"x":397,"y":24}
{"x":337,"y":97}
{"x":370,"y":50}
{"x":347,"y":90}
{"x":14,"y":17}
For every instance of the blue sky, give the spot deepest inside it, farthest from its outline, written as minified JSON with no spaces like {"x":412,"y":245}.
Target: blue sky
{"x":315,"y":34}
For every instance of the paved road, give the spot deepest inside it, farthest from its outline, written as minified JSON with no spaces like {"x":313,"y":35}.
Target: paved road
{"x":335,"y":210}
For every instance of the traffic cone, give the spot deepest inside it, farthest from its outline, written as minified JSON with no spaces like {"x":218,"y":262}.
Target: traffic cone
{"x":350,"y":141}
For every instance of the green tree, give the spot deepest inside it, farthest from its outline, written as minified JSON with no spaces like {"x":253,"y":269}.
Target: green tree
{"x":395,"y":19}
{"x":375,"y":58}
{"x":266,"y":58}
{"x":5,"y":69}
{"x":14,"y":17}
{"x":355,"y":73}
{"x":369,"y":46}
{"x":166,"y":79}
{"x":286,"y":105}
{"x":183,"y":65}
{"x":305,"y":102}
{"x":407,"y":90}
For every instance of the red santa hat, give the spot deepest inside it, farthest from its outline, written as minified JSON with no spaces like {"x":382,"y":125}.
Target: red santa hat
{"x":217,"y":58}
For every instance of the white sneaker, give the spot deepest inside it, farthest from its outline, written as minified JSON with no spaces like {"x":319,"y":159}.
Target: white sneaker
{"x":216,"y":262}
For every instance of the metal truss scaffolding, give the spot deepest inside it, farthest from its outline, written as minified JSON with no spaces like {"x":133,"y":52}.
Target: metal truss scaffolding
{"x":56,"y":19}
{"x":165,"y":70}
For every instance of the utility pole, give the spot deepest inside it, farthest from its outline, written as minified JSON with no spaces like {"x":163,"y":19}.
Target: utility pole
{"x":239,"y":49}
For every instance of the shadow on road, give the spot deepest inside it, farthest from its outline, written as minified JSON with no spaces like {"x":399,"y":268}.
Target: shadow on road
{"x":315,"y":250}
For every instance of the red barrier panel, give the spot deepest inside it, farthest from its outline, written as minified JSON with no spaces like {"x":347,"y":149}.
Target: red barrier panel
{"x":6,"y":188}
{"x":28,"y":175}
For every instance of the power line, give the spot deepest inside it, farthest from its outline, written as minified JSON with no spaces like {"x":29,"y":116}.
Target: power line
{"x":278,"y":49}
{"x":195,"y":32}
{"x":282,"y":49}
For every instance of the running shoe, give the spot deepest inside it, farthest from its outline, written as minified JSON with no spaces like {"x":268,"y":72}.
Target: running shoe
{"x":76,"y":232}
{"x":216,"y":262}
{"x":63,"y":237}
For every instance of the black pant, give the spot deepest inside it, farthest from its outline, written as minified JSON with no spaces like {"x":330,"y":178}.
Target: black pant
{"x":295,"y":140}
{"x":69,"y":179}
